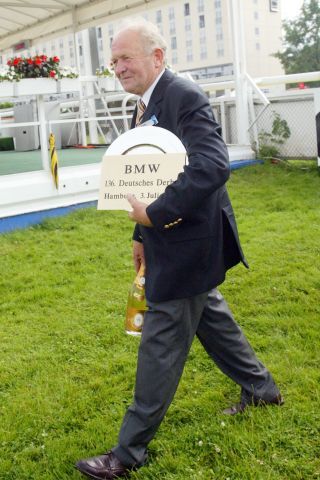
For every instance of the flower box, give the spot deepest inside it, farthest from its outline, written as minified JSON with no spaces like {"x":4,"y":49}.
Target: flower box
{"x":109,"y":84}
{"x":35,"y":86}
{"x":69,"y":85}
{"x":6,"y":89}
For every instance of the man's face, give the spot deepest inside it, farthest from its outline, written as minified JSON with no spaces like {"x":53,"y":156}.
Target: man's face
{"x":135,"y":68}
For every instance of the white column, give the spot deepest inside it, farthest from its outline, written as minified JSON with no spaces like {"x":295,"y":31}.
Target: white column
{"x":239,"y":62}
{"x":89,"y":87}
{"x":44,"y":145}
{"x":77,"y":57}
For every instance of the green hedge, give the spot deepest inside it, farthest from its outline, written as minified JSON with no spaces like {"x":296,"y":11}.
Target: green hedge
{"x":6,"y":143}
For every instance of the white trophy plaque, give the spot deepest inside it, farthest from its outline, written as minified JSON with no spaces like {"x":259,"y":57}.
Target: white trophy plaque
{"x":142,"y":161}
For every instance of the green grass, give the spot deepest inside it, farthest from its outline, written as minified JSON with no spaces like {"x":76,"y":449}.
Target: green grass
{"x":67,"y":368}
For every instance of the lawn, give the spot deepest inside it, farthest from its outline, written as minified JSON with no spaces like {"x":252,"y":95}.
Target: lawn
{"x":67,"y":367}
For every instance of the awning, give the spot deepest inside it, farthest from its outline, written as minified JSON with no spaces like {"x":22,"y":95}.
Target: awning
{"x":38,"y":20}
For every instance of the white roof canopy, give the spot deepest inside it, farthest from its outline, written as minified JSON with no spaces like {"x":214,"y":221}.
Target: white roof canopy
{"x":38,"y":20}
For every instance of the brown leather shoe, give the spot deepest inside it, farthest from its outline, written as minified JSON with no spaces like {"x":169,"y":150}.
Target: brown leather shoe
{"x":104,"y":467}
{"x":256,"y":402}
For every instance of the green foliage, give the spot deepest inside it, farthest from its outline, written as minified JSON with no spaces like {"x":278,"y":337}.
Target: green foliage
{"x":6,"y":143}
{"x":6,"y":105}
{"x":269,"y":142}
{"x":67,"y":368}
{"x":302,"y":41}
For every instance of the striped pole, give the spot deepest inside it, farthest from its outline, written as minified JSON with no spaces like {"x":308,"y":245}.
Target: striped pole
{"x":54,"y":160}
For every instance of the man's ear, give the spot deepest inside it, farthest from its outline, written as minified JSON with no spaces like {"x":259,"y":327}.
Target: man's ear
{"x":158,"y":56}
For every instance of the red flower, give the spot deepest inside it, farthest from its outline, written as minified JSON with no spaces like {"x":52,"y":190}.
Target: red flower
{"x":56,"y":59}
{"x":52,"y":73}
{"x":16,"y":61}
{"x":30,"y":61}
{"x":9,"y":63}
{"x":43,"y":58}
{"x":37,"y":61}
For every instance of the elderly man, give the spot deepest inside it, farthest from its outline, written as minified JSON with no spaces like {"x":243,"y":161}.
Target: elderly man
{"x":187,"y":239}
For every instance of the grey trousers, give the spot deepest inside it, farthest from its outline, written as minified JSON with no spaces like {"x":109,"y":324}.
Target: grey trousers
{"x":168,"y":331}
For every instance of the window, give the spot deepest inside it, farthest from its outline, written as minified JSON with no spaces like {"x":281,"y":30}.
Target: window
{"x":189,"y":43}
{"x":257,"y":31}
{"x":158,"y":16}
{"x":274,"y":6}
{"x":110,"y":30}
{"x":61,"y":43}
{"x":186,"y":9}
{"x":202,"y":23}
{"x":172,"y":27}
{"x":189,"y":55}
{"x":171,"y":13}
{"x":203,"y":39}
{"x":220,"y":52}
{"x":173,"y":43}
{"x":187,"y":24}
{"x":256,"y":15}
{"x":203,"y":52}
{"x":99,"y":32}
{"x":257,"y":46}
{"x":174,"y":58}
{"x":217,"y":4}
{"x":200,"y":6}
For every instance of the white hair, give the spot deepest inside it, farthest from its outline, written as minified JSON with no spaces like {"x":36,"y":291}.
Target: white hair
{"x":150,"y":35}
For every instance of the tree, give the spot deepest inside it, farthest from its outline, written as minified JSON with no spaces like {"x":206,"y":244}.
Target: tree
{"x":302,"y":40}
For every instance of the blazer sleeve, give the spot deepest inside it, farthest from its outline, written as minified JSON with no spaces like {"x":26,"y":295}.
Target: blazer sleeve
{"x":208,"y":164}
{"x":137,"y":234}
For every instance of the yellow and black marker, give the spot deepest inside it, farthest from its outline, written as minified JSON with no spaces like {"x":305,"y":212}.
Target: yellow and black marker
{"x":54,"y":160}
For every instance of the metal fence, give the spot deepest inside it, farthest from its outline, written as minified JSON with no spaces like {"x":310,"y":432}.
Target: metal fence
{"x":297,"y":109}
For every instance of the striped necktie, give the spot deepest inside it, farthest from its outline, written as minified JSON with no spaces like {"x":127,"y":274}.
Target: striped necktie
{"x":141,"y":108}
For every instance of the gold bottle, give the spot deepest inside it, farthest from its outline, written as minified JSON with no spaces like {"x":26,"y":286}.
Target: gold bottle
{"x":136,"y":305}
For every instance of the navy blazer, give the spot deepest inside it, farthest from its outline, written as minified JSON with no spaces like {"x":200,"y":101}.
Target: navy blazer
{"x":194,"y":238}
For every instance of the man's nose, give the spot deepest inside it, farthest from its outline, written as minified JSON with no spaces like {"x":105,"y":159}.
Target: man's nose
{"x":120,"y":67}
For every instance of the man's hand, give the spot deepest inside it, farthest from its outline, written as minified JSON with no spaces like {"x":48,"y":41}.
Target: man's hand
{"x":138,"y":214}
{"x":138,"y":255}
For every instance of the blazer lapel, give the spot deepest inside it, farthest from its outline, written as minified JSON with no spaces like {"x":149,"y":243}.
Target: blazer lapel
{"x":154,"y":105}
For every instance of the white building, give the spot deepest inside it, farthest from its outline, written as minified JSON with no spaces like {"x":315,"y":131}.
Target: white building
{"x":198,"y":35}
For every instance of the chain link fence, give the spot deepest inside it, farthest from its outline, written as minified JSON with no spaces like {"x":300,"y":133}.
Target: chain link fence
{"x":296,"y":110}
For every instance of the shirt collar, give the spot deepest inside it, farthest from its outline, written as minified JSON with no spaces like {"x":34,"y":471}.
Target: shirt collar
{"x":147,"y":95}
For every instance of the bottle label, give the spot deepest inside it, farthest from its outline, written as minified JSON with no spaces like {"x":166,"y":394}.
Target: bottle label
{"x":134,"y":320}
{"x":138,"y":320}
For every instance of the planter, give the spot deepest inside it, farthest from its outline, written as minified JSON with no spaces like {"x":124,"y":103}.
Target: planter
{"x":35,"y":86}
{"x":6,"y":89}
{"x":69,"y":85}
{"x":109,"y":84}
